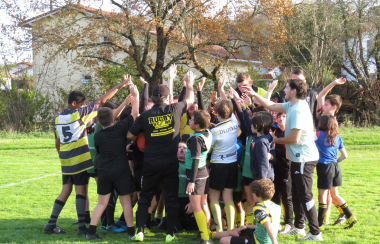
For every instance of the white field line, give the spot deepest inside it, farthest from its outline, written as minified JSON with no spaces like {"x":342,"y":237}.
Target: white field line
{"x":30,"y":163}
{"x":24,"y":181}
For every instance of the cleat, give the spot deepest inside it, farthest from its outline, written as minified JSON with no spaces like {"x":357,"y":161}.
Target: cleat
{"x":115,"y":229}
{"x":147,"y":232}
{"x":311,"y":237}
{"x":82,"y":232}
{"x":340,"y":220}
{"x":103,"y":228}
{"x":138,"y":237}
{"x":286,"y":229}
{"x":350,"y":222}
{"x":198,"y":238}
{"x":122,"y":224}
{"x":170,"y":238}
{"x":55,"y":230}
{"x":93,"y":237}
{"x":294,"y":231}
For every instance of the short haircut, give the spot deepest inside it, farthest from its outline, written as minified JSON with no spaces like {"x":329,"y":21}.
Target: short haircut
{"x":300,"y":86}
{"x":158,"y":99}
{"x":262,"y":122}
{"x":243,"y":77}
{"x":126,"y":112}
{"x":105,"y":116}
{"x":224,"y":108}
{"x":298,"y":72}
{"x":76,"y":96}
{"x":202,"y":118}
{"x":259,"y":109}
{"x":109,"y":105}
{"x":279,"y":114}
{"x":263,"y":188}
{"x":335,"y":100}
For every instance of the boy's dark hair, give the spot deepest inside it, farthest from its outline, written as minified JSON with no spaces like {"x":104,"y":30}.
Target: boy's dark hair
{"x":335,"y":100}
{"x":109,"y":105}
{"x":243,"y":77}
{"x":126,"y":112}
{"x":263,"y":188}
{"x":300,"y":86}
{"x":105,"y":116}
{"x":76,"y":96}
{"x":262,"y":122}
{"x":279,"y":114}
{"x":176,"y":97}
{"x":298,"y":72}
{"x":158,"y":99}
{"x":259,"y":109}
{"x":202,"y":118}
{"x":224,"y":108}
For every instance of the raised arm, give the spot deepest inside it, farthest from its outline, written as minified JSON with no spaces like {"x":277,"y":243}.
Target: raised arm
{"x":201,"y":105}
{"x":189,"y":79}
{"x":103,"y":99}
{"x":135,"y":107}
{"x":172,"y":74}
{"x":221,"y":83}
{"x":324,"y":92}
{"x":277,"y":107}
{"x":271,"y":88}
{"x":144,"y":96}
{"x":117,"y":112}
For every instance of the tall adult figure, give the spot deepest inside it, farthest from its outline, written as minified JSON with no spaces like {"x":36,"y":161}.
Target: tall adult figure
{"x":160,"y":126}
{"x":301,"y":151}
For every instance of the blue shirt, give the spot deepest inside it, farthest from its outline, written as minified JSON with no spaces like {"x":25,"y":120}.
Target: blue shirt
{"x":327,"y":154}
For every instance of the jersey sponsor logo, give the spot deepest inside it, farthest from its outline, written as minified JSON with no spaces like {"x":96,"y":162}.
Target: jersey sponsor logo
{"x":161,"y":121}
{"x":220,"y":132}
{"x":222,"y":157}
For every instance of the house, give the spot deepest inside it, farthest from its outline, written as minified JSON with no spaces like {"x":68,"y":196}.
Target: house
{"x":6,"y":81}
{"x":62,"y":71}
{"x":21,"y":69}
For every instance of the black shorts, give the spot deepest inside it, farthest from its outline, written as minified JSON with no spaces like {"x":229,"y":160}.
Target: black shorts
{"x":246,"y":181}
{"x":237,"y":196}
{"x":93,"y":175}
{"x":245,"y":237}
{"x":223,"y":176}
{"x":201,"y":185}
{"x":122,"y":182}
{"x":329,"y":175}
{"x":137,"y":179}
{"x":77,"y":179}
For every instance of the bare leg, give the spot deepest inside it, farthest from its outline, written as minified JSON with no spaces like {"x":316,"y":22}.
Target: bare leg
{"x":206,"y":209}
{"x":99,"y":209}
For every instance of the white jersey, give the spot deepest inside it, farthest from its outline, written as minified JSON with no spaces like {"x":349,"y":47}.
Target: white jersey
{"x":224,"y":139}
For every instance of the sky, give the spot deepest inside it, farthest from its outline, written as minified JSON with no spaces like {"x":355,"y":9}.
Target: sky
{"x":8,"y":54}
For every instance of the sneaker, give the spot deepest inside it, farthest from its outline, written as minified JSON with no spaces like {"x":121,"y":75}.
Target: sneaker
{"x":122,"y":224}
{"x":55,"y":230}
{"x":311,"y":237}
{"x":114,"y":228}
{"x":294,"y":231}
{"x":93,"y":237}
{"x":340,"y":220}
{"x":170,"y":238}
{"x":198,"y":238}
{"x":82,"y":232}
{"x":350,"y":222}
{"x":103,"y":228}
{"x":286,"y":229}
{"x":147,"y":232}
{"x":138,"y":237}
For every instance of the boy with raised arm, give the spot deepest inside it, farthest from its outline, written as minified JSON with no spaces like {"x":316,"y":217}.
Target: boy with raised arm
{"x":114,"y":171}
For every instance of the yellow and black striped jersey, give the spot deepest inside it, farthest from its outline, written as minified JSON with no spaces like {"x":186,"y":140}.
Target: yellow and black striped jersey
{"x":70,"y":128}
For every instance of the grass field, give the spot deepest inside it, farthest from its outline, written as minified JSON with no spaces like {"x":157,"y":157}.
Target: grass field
{"x":31,"y":180}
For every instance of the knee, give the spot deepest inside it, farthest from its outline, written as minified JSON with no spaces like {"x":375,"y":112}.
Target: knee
{"x":225,"y":240}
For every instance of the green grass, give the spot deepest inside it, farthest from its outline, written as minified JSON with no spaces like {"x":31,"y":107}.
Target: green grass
{"x":25,"y":205}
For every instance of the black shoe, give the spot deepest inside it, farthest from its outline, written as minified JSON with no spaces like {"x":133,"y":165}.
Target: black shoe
{"x":55,"y":230}
{"x":93,"y":237}
{"x":82,"y":232}
{"x":206,"y":242}
{"x":198,"y":238}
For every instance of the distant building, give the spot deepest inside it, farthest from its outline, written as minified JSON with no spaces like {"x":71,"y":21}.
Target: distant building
{"x":22,"y":68}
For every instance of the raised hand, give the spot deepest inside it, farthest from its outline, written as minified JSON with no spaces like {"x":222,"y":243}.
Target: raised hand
{"x":233,"y":93}
{"x":127,"y":79}
{"x":222,"y":82}
{"x":201,"y":84}
{"x":248,"y":90}
{"x":189,"y":78}
{"x":272,"y":85}
{"x":143,"y":81}
{"x":133,"y":90}
{"x":172,"y":71}
{"x":247,"y":100}
{"x":340,"y":81}
{"x":128,"y":99}
{"x":214,"y":97}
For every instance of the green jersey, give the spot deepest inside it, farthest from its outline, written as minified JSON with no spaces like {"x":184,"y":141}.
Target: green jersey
{"x":203,"y":155}
{"x":266,"y":211}
{"x":247,"y":160}
{"x":182,"y":180}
